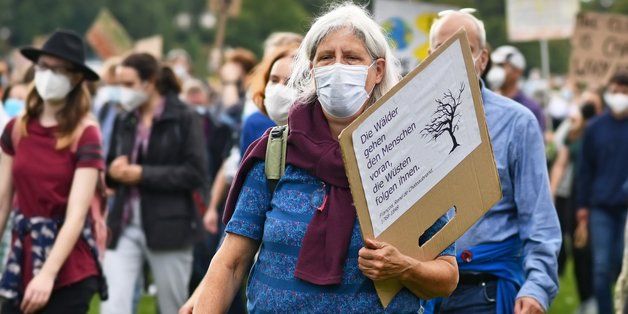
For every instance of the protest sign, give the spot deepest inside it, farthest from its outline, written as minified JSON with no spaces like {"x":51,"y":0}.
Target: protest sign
{"x":420,"y":150}
{"x":552,"y":19}
{"x":152,"y":45}
{"x":408,"y":26}
{"x":107,"y":37}
{"x":599,"y":48}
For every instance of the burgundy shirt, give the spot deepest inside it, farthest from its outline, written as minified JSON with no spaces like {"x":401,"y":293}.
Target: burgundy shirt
{"x":42,"y":178}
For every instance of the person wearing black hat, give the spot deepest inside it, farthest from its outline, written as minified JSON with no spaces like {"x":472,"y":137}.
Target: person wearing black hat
{"x":50,"y":161}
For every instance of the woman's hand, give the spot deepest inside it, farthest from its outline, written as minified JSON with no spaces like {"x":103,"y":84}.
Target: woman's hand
{"x":126,"y":173}
{"x":37,"y":293}
{"x":188,"y":307}
{"x":379,"y":260}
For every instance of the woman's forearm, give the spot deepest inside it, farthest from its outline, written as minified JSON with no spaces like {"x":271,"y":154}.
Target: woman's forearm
{"x":6,"y":189}
{"x":219,"y":188}
{"x":427,"y":280}
{"x":83,"y":187}
{"x":225,"y":274}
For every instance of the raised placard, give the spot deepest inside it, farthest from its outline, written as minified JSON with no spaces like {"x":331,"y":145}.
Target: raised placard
{"x":420,"y":150}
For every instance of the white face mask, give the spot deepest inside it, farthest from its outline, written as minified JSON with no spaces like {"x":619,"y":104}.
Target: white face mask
{"x":618,"y":102}
{"x":341,"y":88}
{"x":496,"y":77}
{"x":109,"y":93}
{"x":52,"y":86}
{"x":278,"y":99}
{"x":180,"y":71}
{"x":131,"y":99}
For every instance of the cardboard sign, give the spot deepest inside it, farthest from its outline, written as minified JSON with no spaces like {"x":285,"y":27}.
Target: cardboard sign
{"x":107,"y":37}
{"x":553,"y":19}
{"x":408,"y":26}
{"x":152,"y":45}
{"x":420,"y":150}
{"x":599,"y":48}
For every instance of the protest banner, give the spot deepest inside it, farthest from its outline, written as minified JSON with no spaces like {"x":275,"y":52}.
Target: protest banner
{"x":553,"y":19}
{"x":408,"y":26}
{"x":107,"y":37}
{"x":152,"y":45}
{"x":419,"y":151}
{"x":599,"y":48}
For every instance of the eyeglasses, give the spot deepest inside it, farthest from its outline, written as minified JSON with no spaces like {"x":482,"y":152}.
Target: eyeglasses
{"x":57,"y":69}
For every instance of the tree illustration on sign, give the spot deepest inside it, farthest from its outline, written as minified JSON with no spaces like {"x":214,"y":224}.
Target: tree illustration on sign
{"x":446,"y":118}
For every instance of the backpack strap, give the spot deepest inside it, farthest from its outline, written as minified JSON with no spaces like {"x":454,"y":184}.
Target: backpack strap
{"x":276,"y":156}
{"x":80,"y":128}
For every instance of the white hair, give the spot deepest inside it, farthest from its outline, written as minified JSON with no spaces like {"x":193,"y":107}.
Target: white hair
{"x":468,"y":12}
{"x":346,"y":15}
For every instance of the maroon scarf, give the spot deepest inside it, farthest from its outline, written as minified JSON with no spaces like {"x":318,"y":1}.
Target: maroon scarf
{"x":312,"y":148}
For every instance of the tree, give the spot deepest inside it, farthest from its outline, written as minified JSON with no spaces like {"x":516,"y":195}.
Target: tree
{"x":446,"y":118}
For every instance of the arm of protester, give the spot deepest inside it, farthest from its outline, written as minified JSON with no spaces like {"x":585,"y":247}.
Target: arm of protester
{"x":439,"y":277}
{"x":225,"y":274}
{"x":585,"y":176}
{"x":40,"y":287}
{"x":6,"y":189}
{"x":539,"y":228}
{"x":219,"y":191}
{"x":558,"y":169}
{"x":436,"y":278}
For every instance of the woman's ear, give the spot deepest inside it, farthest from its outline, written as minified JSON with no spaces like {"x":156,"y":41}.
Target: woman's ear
{"x":380,"y":68}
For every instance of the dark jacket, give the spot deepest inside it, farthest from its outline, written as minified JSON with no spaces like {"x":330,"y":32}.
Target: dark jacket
{"x":219,"y":141}
{"x":174,"y":165}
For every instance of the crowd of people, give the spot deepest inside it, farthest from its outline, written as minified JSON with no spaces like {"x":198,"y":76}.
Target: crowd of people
{"x":145,"y":174}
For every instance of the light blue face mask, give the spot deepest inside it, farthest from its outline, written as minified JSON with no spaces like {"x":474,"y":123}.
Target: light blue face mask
{"x":202,"y":110}
{"x":13,"y":107}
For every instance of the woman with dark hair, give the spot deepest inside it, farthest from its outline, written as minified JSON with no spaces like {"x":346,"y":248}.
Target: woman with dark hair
{"x":51,"y":157}
{"x":156,"y":160}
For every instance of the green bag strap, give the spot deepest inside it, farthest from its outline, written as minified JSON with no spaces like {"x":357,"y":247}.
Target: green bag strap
{"x":276,"y":156}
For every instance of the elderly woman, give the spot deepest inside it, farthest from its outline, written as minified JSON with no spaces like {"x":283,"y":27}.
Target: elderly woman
{"x":312,"y":257}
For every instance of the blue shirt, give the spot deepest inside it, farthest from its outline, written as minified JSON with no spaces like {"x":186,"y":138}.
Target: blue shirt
{"x":106,"y":120}
{"x":279,"y":222}
{"x":254,"y":127}
{"x":604,"y":164}
{"x":526,"y":208}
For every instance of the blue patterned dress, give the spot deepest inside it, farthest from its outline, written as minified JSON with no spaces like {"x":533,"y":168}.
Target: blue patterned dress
{"x":280,"y":224}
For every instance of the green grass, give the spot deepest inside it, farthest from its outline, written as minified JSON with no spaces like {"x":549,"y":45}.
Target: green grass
{"x":147,"y":305}
{"x":566,"y":301}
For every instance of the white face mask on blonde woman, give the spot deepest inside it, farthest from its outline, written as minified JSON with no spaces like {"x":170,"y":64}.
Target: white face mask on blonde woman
{"x":278,"y":99}
{"x":52,"y":86}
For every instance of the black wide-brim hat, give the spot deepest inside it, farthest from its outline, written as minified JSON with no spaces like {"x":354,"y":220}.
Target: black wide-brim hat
{"x":66,"y":45}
